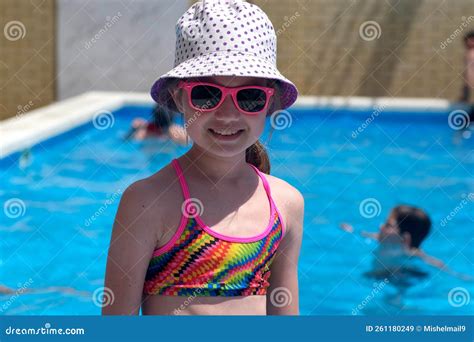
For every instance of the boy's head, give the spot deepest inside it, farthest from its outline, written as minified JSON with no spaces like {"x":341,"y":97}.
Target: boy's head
{"x":469,"y":40}
{"x":411,"y":223}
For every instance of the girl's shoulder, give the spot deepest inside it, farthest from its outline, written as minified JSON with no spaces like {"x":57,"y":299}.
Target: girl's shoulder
{"x":288,"y":199}
{"x":282,"y":189}
{"x":148,"y":185}
{"x":152,"y":197}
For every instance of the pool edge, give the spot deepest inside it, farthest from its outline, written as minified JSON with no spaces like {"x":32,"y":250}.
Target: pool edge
{"x":21,"y":132}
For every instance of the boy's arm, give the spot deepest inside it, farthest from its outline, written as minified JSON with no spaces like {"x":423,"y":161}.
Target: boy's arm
{"x":371,"y":235}
{"x":435,"y":262}
{"x":350,"y":229}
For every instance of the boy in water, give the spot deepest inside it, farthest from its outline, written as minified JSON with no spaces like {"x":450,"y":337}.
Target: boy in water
{"x":400,"y":239}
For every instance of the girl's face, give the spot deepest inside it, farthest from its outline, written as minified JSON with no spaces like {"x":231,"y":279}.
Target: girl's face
{"x":470,"y":43}
{"x":204,"y":127}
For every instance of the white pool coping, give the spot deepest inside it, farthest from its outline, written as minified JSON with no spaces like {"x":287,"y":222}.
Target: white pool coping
{"x":24,"y":131}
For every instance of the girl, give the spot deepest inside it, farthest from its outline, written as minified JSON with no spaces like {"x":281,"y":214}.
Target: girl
{"x":212,"y":233}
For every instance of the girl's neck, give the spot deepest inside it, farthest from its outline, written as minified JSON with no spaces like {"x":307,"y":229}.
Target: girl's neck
{"x":215,"y":168}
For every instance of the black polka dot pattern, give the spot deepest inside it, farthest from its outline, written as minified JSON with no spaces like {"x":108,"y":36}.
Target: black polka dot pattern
{"x":224,"y":38}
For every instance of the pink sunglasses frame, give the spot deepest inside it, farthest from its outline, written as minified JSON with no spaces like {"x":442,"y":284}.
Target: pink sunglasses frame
{"x":189,"y":85}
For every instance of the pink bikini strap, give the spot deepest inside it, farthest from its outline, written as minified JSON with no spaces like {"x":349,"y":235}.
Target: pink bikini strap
{"x":273,"y":206}
{"x":182,"y":181}
{"x":265,"y":185}
{"x":185,"y":189}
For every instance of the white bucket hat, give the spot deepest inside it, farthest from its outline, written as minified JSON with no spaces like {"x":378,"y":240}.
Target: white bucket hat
{"x":224,"y":38}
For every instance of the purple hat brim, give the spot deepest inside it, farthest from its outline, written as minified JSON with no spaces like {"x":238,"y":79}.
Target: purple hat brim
{"x":213,"y":64}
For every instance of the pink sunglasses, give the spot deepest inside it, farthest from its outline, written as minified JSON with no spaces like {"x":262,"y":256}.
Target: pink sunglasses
{"x":206,"y":97}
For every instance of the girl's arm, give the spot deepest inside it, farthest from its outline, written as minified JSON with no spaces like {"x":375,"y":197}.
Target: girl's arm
{"x":282,"y":295}
{"x":131,"y":246}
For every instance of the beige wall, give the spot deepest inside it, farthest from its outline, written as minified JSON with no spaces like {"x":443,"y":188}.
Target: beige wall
{"x":320,"y":47}
{"x":27,"y":60}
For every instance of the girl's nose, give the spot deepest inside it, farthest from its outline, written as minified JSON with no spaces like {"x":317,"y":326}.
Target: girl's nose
{"x":227,"y":109}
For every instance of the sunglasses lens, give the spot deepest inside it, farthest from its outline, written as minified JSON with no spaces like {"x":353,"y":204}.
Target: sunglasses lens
{"x":251,"y":100}
{"x":205,"y":97}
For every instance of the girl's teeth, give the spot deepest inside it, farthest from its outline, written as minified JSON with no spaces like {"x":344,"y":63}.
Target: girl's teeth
{"x":224,"y":133}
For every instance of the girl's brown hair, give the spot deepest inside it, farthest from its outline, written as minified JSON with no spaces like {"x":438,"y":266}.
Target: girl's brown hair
{"x":257,"y":154}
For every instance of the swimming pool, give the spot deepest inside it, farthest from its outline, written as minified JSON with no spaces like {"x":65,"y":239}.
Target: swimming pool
{"x":61,"y":197}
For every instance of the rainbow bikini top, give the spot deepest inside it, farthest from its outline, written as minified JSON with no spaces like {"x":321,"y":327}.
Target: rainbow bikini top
{"x":198,"y":261}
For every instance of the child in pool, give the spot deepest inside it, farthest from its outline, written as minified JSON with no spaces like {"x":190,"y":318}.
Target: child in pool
{"x":160,"y":126}
{"x":4,"y":290}
{"x":400,"y":239}
{"x":468,"y":86}
{"x":212,"y":233}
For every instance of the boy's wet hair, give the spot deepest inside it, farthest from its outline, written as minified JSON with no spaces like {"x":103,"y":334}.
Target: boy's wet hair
{"x":467,"y":36}
{"x":414,"y":221}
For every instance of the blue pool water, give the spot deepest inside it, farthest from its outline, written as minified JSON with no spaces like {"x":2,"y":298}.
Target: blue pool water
{"x":69,"y":186}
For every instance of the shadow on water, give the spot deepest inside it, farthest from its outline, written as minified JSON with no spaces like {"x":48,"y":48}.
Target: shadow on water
{"x":390,"y":290}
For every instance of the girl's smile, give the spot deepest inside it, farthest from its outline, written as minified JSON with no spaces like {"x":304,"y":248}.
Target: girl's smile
{"x":226,"y":135}
{"x":225,"y":130}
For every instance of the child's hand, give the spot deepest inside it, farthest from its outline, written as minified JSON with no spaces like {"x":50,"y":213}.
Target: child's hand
{"x":370,"y":235}
{"x":139,"y":122}
{"x":347,"y":227}
{"x":466,"y":277}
